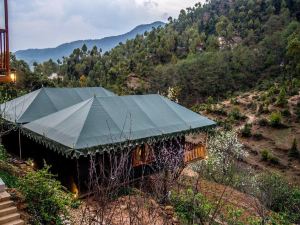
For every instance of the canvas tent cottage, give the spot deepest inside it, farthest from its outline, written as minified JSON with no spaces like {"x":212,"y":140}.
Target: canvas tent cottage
{"x":100,"y":124}
{"x":72,"y":129}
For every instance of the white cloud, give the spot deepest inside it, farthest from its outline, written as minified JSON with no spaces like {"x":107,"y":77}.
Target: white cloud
{"x":48,"y":23}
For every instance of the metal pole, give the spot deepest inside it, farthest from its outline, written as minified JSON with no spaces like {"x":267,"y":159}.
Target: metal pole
{"x":7,"y":53}
{"x":20,"y":146}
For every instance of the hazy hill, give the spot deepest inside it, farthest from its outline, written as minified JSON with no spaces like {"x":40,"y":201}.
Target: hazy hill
{"x":107,"y":43}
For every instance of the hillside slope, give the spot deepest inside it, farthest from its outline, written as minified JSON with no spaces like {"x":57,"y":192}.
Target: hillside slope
{"x":215,"y":49}
{"x":267,"y":129}
{"x":107,"y":43}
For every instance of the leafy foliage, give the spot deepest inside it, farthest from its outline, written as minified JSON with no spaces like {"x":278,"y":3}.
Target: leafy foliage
{"x":275,"y":119}
{"x":191,"y":207}
{"x":10,"y":180}
{"x":212,"y":49}
{"x":3,"y":153}
{"x":278,"y":195}
{"x":224,"y":149}
{"x":246,"y":131}
{"x":45,"y":197}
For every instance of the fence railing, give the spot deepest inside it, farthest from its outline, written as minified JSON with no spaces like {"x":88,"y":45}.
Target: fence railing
{"x":194,"y":152}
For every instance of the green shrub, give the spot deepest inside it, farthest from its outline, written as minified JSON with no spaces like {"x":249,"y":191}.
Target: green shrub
{"x":278,"y":195}
{"x":190,"y":206}
{"x":265,"y":155}
{"x":199,"y":107}
{"x":226,"y":124}
{"x":294,"y":152}
{"x":234,"y":101}
{"x":246,"y":131}
{"x":263,"y":122}
{"x":45,"y":197}
{"x":235,"y":114}
{"x":219,"y":111}
{"x":3,"y":153}
{"x":10,"y":180}
{"x":281,"y":99}
{"x":257,"y":136}
{"x":286,"y":113}
{"x":273,"y":159}
{"x":275,"y":119}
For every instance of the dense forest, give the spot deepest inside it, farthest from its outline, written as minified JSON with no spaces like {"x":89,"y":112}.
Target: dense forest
{"x":214,"y":49}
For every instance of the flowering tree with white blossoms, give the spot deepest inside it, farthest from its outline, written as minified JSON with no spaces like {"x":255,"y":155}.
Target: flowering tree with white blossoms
{"x":173,"y":93}
{"x":224,"y":150}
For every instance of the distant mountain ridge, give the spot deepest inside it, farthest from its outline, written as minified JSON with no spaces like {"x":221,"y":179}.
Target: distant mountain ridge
{"x":41,"y":55}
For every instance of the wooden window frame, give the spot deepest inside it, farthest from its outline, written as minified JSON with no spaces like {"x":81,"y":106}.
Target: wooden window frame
{"x":142,"y":155}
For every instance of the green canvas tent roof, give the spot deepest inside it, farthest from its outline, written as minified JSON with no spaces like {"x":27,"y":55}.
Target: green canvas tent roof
{"x":102,"y":124}
{"x":45,"y":101}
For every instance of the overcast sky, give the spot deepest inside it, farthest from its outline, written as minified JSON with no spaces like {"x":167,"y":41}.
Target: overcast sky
{"x":48,"y":23}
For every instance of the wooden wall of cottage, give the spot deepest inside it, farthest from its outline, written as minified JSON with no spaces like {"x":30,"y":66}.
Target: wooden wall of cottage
{"x":67,"y":169}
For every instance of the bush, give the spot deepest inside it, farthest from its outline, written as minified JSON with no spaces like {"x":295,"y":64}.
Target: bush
{"x":190,"y":206}
{"x":294,"y":152}
{"x":219,"y":111}
{"x":275,"y":119}
{"x":278,"y":195}
{"x":281,"y":99}
{"x":234,"y":101}
{"x":199,"y":107}
{"x":10,"y":180}
{"x":263,"y":122}
{"x":246,"y":131}
{"x":268,"y":157}
{"x":274,"y":160}
{"x":265,"y":155}
{"x":286,"y":113}
{"x":45,"y":197}
{"x":3,"y":153}
{"x":235,"y":114}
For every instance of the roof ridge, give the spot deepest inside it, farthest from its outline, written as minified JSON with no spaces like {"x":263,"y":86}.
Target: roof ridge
{"x":45,"y":90}
{"x":155,"y":126}
{"x":168,"y":101}
{"x":23,"y":112}
{"x":83,"y":105}
{"x":95,"y":99}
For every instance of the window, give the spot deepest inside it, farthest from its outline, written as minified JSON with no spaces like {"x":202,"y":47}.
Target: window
{"x":142,"y":155}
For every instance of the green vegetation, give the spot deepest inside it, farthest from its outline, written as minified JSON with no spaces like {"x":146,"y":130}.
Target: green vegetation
{"x":267,"y":156}
{"x":190,"y":206}
{"x":281,"y":99}
{"x":275,"y":119}
{"x":246,"y":131}
{"x":3,"y":153}
{"x":46,"y":200}
{"x":263,"y":122}
{"x":10,"y":180}
{"x":294,"y":152}
{"x":278,"y":195}
{"x":214,"y":49}
{"x":236,"y":115}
